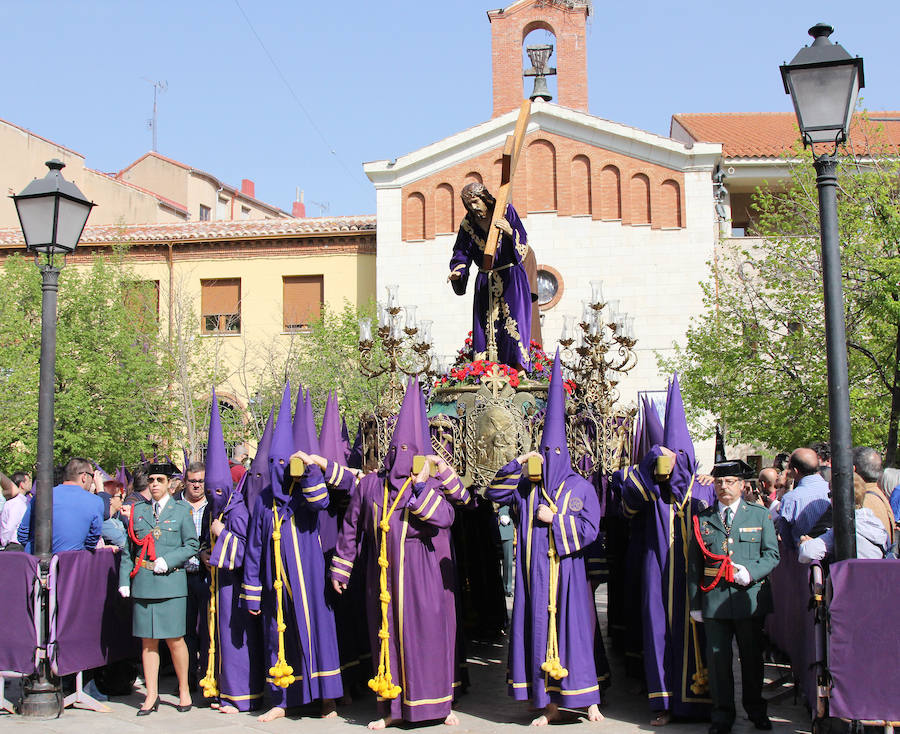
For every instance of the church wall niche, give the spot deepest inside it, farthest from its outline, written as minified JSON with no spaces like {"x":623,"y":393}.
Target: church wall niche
{"x":582,"y":200}
{"x":670,"y":204}
{"x":610,"y":193}
{"x":540,"y":163}
{"x":473,"y":177}
{"x":444,"y":209}
{"x":414,"y":217}
{"x":640,"y":199}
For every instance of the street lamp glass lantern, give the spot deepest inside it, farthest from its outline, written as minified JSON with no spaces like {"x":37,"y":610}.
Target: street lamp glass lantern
{"x":823,"y":81}
{"x":52,"y":212}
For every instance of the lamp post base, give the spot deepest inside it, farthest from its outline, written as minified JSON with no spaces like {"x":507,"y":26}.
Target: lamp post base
{"x":42,"y":699}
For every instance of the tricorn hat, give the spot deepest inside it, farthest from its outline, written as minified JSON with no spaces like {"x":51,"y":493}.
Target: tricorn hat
{"x":733,"y":468}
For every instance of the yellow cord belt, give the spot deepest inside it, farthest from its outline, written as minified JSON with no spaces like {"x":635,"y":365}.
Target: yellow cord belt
{"x":208,"y":684}
{"x":700,"y":678}
{"x":281,"y":672}
{"x":382,"y":683}
{"x":551,"y":664}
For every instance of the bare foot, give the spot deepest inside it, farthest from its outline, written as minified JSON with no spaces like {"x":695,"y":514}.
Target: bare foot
{"x":593,"y":713}
{"x":328,"y":708}
{"x":214,"y":705}
{"x":227,"y":709}
{"x":380,"y":723}
{"x":551,"y":713}
{"x":273,"y":713}
{"x":661,"y":719}
{"x":451,"y":720}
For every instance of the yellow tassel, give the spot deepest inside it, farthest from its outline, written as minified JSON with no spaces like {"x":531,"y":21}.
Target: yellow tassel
{"x":281,"y":671}
{"x":551,"y":665}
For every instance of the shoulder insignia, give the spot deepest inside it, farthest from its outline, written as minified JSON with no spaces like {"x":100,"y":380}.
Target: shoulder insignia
{"x":576,"y":504}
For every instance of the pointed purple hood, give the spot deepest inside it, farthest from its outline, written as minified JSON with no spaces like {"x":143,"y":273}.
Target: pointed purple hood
{"x":281,"y":449}
{"x":409,"y":437}
{"x":554,"y":449}
{"x":653,"y":426}
{"x":345,"y":434}
{"x":258,"y":476}
{"x":103,"y":474}
{"x":297,"y":427}
{"x":310,"y":440}
{"x":217,"y":480}
{"x":331,"y":443}
{"x":123,"y":476}
{"x":677,"y":437}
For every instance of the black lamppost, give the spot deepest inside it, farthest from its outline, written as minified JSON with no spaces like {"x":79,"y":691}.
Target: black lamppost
{"x":823,"y":81}
{"x":52,"y":212}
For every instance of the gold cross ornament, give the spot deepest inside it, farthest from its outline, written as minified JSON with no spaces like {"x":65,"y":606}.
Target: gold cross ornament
{"x":495,"y":380}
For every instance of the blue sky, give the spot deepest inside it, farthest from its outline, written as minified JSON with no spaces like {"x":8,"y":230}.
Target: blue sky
{"x":372,"y":80}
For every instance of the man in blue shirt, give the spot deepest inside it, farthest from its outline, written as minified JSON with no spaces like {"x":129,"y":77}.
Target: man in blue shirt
{"x":77,"y":514}
{"x":802,"y":507}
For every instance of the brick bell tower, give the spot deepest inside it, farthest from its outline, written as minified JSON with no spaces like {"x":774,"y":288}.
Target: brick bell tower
{"x":567,"y":21}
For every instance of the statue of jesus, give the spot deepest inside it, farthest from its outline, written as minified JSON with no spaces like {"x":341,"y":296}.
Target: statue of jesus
{"x":502,"y":306}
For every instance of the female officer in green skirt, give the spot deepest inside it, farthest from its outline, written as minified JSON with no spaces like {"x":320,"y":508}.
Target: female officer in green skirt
{"x":161,"y":538}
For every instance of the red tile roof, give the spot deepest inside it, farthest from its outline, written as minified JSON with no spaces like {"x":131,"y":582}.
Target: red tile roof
{"x":209,"y":231}
{"x":772,"y":134}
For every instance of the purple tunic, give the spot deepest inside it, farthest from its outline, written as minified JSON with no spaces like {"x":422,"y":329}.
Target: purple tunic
{"x":671,"y":641}
{"x":239,"y":649}
{"x":510,"y":317}
{"x":310,"y":639}
{"x":421,"y":617}
{"x":573,"y":528}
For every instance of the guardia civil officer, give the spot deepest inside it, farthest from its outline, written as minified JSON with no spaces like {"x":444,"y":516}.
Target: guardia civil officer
{"x":733,"y":550}
{"x":161,"y":537}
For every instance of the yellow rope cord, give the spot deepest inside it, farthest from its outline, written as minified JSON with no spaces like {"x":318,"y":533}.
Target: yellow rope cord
{"x":700,"y":678}
{"x":208,"y":684}
{"x":281,"y":672}
{"x":382,"y":683}
{"x":551,"y":664}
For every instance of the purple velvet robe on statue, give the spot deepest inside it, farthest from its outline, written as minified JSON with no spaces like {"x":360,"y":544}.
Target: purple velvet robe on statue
{"x":507,"y":282}
{"x":674,"y":647}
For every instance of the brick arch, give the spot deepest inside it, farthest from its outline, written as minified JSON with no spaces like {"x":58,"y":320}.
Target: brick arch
{"x":581,"y":185}
{"x":537,"y":25}
{"x":610,"y":193}
{"x":443,"y":209}
{"x":472,"y":177}
{"x":540,"y":164}
{"x":670,"y":204}
{"x":414,"y":217}
{"x":640,"y":199}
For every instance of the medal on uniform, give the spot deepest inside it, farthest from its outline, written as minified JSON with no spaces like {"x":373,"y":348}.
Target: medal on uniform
{"x":156,"y":532}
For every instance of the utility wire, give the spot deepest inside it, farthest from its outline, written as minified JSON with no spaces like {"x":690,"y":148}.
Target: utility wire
{"x":290,"y":89}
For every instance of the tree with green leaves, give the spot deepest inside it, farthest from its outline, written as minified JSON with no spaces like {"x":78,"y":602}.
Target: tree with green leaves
{"x":755,"y":360}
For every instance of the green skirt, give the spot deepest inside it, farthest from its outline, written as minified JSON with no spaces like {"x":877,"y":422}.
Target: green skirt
{"x":159,"y":619}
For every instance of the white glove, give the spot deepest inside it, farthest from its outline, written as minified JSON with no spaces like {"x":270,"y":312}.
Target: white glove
{"x":124,"y":591}
{"x":504,"y":520}
{"x":697,"y":616}
{"x":741,"y":575}
{"x":160,"y":565}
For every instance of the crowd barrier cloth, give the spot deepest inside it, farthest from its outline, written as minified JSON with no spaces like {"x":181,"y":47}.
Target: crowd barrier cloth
{"x":18,"y":580}
{"x":863,"y":644}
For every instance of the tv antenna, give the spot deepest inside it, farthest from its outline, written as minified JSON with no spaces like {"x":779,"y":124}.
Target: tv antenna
{"x":158,"y":87}
{"x":324,"y":207}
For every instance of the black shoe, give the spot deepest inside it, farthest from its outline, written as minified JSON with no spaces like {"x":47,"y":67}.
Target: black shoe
{"x":762,"y":723}
{"x":719,"y":729}
{"x":187,"y":707}
{"x":147,"y":712}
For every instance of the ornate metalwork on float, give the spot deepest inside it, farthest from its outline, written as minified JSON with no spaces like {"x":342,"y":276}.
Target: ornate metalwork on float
{"x":600,"y":433}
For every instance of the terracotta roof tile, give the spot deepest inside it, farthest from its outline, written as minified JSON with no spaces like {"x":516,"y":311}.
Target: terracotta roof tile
{"x":209,"y":231}
{"x":771,"y":134}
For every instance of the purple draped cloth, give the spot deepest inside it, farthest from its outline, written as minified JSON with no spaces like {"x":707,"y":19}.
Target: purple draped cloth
{"x":573,"y":528}
{"x":863,"y":646}
{"x":671,"y":642}
{"x":18,"y":572}
{"x":310,"y":638}
{"x":502,"y":299}
{"x":421,"y":617}
{"x":239,"y":648}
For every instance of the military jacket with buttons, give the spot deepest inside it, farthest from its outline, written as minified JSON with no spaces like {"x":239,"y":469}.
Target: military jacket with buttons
{"x":752,"y":543}
{"x":175,"y":539}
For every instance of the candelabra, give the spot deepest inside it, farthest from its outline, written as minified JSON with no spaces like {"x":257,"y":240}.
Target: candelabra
{"x":405,"y":349}
{"x":605,"y":352}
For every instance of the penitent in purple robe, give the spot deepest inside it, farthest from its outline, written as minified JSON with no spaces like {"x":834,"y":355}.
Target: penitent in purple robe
{"x":238,"y":664}
{"x":674,"y":646}
{"x":502,"y":299}
{"x":310,"y":640}
{"x":574,"y":527}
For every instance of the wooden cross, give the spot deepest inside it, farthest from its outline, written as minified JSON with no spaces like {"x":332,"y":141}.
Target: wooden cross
{"x":510,"y":159}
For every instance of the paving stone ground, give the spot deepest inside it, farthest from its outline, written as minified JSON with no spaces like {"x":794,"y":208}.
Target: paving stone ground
{"x":485,"y":709}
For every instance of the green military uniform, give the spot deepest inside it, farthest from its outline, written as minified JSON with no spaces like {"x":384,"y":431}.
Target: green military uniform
{"x":730,"y":610}
{"x":160,"y":600}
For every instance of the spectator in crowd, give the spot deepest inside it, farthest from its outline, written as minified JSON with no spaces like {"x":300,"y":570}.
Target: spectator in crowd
{"x":767,"y":483}
{"x":867,"y":463}
{"x":112,"y":495}
{"x":77,"y":514}
{"x":139,"y":490}
{"x":823,"y":451}
{"x":890,"y":485}
{"x":802,"y":507}
{"x":19,"y":495}
{"x":871,"y":537}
